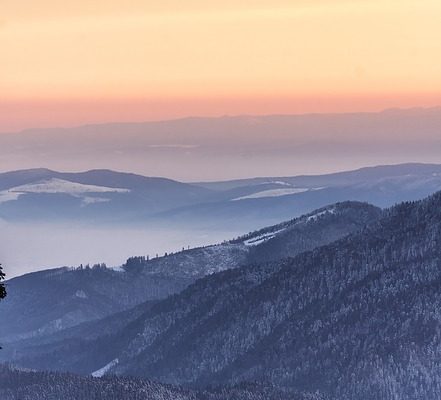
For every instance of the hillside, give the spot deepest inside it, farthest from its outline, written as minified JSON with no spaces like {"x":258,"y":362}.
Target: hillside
{"x":22,"y":385}
{"x":97,"y":195}
{"x":88,"y":294}
{"x":354,"y":319}
{"x":272,"y":199}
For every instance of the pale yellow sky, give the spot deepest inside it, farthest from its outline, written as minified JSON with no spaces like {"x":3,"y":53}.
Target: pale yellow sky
{"x":192,"y":57}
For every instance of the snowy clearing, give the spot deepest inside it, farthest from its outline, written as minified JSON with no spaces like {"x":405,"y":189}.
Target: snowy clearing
{"x":272,"y":193}
{"x":59,"y":186}
{"x":254,"y":241}
{"x":102,"y":371}
{"x":319,"y":214}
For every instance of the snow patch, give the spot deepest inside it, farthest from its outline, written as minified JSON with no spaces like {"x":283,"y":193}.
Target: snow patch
{"x":92,"y":200}
{"x":55,"y":185}
{"x":256,"y":240}
{"x":103,"y":371}
{"x":272,"y":193}
{"x":81,"y":294}
{"x":281,"y":183}
{"x":314,"y":217}
{"x":6,"y":195}
{"x":59,"y":186}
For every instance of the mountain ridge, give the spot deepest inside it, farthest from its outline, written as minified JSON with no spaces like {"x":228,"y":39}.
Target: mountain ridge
{"x":357,"y":317}
{"x":242,"y":205}
{"x":298,"y":306}
{"x":296,"y":143}
{"x":393,"y":110}
{"x":329,"y":319}
{"x":93,"y":293}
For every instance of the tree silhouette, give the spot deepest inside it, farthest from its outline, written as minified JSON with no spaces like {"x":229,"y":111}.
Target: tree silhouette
{"x":2,"y":286}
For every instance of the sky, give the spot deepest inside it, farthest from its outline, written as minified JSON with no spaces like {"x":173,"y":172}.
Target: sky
{"x":92,"y":61}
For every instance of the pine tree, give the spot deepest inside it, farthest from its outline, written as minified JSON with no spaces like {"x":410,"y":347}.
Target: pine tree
{"x":2,"y":286}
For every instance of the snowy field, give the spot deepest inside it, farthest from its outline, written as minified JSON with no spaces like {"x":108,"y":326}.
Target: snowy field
{"x":59,"y":186}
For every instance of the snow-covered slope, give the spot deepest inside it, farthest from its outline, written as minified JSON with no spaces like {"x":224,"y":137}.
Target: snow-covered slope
{"x":60,"y":186}
{"x":102,"y":371}
{"x":272,"y":193}
{"x":97,"y":195}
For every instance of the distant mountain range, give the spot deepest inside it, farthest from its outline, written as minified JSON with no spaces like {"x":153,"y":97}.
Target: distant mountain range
{"x":232,"y":146}
{"x":103,"y":197}
{"x":354,"y":318}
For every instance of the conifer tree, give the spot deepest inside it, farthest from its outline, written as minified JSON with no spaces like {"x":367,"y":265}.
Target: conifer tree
{"x":2,"y":286}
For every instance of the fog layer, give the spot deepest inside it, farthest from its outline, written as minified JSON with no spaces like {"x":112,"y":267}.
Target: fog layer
{"x":31,"y":247}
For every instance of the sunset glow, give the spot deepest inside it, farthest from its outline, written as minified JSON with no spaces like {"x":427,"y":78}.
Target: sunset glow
{"x":95,"y":61}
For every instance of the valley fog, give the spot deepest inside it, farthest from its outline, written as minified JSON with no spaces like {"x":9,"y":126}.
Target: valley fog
{"x":31,"y":247}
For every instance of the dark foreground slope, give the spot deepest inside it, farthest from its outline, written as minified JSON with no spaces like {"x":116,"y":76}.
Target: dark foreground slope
{"x":49,"y":301}
{"x":19,"y":385}
{"x":358,"y":318}
{"x":355,"y":319}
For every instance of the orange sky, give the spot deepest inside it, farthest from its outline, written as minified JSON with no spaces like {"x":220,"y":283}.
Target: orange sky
{"x":67,"y":63}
